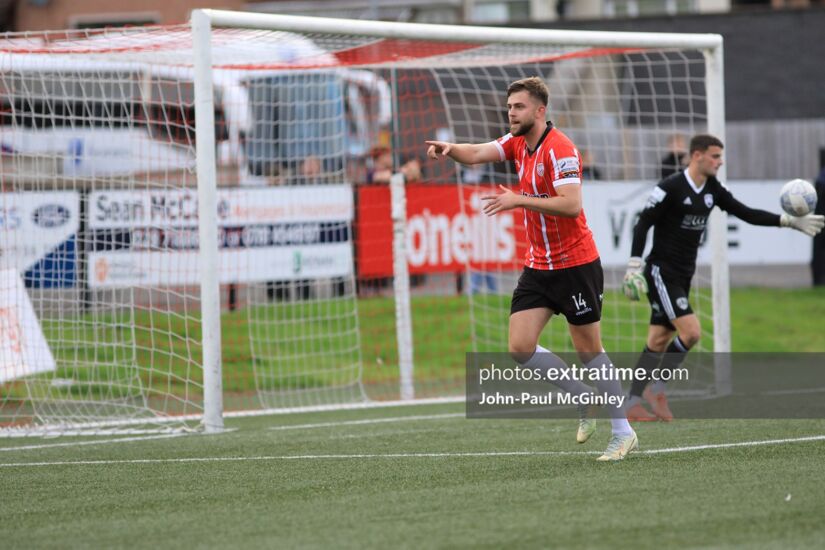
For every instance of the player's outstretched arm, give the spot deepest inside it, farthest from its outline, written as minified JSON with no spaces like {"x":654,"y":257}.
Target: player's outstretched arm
{"x":465,"y":153}
{"x":810,"y":224}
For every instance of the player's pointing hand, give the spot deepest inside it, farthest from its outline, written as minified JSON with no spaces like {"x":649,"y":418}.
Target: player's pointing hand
{"x":438,"y":149}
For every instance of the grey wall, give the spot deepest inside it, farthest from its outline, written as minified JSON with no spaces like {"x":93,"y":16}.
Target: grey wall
{"x":774,"y":84}
{"x":774,"y":60}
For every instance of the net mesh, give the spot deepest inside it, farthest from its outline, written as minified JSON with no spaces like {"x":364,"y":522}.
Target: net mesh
{"x":99,"y":213}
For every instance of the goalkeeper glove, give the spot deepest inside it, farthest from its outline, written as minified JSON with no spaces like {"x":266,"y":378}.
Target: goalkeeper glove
{"x":810,"y":224}
{"x":634,"y":284}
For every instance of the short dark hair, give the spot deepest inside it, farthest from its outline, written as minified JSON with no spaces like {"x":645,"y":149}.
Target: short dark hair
{"x":703,"y":142}
{"x":533,"y":86}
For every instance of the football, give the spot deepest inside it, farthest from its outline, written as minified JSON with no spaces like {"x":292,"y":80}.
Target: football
{"x":798,"y":197}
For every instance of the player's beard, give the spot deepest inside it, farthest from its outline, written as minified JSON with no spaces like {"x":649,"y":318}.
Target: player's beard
{"x":524,"y":128}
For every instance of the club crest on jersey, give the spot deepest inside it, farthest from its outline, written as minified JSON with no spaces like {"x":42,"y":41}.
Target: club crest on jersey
{"x":709,"y":201}
{"x":540,"y":169}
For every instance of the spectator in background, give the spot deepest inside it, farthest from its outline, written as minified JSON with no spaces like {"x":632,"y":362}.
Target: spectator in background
{"x":379,"y":172}
{"x":589,"y":169}
{"x":276,"y":176}
{"x":310,"y":171}
{"x":275,"y":173}
{"x":381,"y":169}
{"x":479,"y":279}
{"x":475,"y":174}
{"x":412,"y":170}
{"x":676,"y":158}
{"x":311,"y":167}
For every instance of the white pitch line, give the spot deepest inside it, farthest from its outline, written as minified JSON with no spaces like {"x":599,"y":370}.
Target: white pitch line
{"x":368,"y":421}
{"x":290,"y":457}
{"x":398,"y":455}
{"x":799,"y":391}
{"x":731,"y":445}
{"x":90,"y":442}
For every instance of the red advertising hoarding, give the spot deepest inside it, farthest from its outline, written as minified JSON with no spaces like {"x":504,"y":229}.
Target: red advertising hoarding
{"x":446,"y":230}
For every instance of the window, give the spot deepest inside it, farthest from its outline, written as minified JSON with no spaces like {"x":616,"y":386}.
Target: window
{"x":501,"y":11}
{"x":104,"y":20}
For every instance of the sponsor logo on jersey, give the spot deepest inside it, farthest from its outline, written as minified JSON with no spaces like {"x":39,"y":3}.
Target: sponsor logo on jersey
{"x":568,"y":167}
{"x":709,"y":201}
{"x":537,"y":195}
{"x":682,"y":303}
{"x":694,"y":222}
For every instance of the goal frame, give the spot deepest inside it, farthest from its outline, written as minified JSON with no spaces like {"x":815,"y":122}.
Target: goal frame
{"x":202,"y":21}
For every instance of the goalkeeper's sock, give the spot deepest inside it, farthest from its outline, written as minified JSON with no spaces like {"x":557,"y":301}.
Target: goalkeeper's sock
{"x":544,"y":359}
{"x":648,"y":361}
{"x":608,"y":384}
{"x":674,"y":355}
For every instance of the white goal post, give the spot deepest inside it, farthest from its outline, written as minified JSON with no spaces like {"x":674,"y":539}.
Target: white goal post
{"x":203,"y":220}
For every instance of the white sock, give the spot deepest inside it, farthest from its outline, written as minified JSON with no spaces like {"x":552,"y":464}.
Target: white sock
{"x":611,"y":385}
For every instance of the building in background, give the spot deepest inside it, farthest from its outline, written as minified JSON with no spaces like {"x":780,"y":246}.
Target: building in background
{"x":60,"y":14}
{"x":773,"y":50}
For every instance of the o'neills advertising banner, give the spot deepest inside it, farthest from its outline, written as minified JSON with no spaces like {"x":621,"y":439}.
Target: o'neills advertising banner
{"x":443,"y":234}
{"x":151,"y":238}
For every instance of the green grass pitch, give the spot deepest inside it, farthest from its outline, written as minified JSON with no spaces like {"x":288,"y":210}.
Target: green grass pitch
{"x":424,"y":476}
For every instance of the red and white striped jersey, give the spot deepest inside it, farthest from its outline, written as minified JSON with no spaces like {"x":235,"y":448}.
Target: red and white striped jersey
{"x":555,"y":242}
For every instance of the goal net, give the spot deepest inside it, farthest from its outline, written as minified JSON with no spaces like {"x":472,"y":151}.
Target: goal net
{"x":148,"y":245}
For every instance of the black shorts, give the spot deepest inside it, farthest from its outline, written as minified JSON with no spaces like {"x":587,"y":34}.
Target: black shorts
{"x":575,"y":292}
{"x":668,"y":296}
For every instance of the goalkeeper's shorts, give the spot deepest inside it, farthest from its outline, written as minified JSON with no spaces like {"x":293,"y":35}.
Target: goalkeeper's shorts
{"x":668,"y":296}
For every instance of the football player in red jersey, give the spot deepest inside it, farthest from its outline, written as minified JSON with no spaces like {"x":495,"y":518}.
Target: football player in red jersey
{"x":562,"y":271}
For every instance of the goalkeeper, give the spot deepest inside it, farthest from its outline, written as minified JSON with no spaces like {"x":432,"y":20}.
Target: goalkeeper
{"x":678,"y":210}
